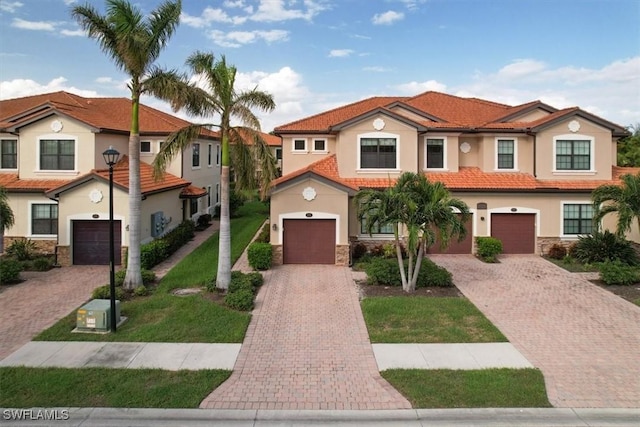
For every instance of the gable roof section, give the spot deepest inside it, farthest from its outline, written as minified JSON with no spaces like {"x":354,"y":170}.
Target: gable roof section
{"x":380,"y":110}
{"x":326,"y":169}
{"x":103,"y":114}
{"x":13,"y":183}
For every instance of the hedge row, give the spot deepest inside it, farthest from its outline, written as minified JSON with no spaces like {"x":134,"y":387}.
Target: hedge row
{"x":153,"y":253}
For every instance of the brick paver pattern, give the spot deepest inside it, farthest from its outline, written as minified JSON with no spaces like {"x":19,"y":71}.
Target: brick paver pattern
{"x":584,"y":339}
{"x":306,"y":347}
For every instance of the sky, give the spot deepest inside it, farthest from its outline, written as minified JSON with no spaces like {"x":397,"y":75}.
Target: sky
{"x":314,"y":55}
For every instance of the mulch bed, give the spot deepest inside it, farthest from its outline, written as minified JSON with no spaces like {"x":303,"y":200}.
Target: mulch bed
{"x":630,"y":293}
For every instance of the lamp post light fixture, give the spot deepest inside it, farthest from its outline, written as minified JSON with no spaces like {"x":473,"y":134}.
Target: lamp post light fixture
{"x":111,"y":156}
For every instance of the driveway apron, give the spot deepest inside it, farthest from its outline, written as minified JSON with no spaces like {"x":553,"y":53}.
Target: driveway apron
{"x":584,"y":339}
{"x":306,"y":347}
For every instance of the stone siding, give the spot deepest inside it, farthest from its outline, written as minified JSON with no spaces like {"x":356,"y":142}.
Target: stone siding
{"x":277,"y":255}
{"x":343,"y":255}
{"x":45,"y":247}
{"x":64,"y":256}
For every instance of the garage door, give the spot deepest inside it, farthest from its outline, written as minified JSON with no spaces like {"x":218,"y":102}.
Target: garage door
{"x":309,"y":241}
{"x":516,"y":231}
{"x":91,"y":242}
{"x":455,"y":247}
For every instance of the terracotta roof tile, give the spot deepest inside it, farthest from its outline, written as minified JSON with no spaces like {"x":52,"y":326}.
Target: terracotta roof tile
{"x":11,"y":182}
{"x":192,"y":191}
{"x":327,"y":167}
{"x":469,"y":178}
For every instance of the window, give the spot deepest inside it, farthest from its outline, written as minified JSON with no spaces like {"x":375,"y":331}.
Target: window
{"x":300,"y":145}
{"x":217,"y":155}
{"x":209,"y":155}
{"x":57,"y":154}
{"x":193,"y":206}
{"x":435,"y":153}
{"x":195,"y":159}
{"x":145,"y":146}
{"x":573,"y":154}
{"x":577,"y":219}
{"x":387,"y":229}
{"x":320,"y":145}
{"x":44,"y":219}
{"x":378,"y":153}
{"x":278,"y":153}
{"x":505,"y":149}
{"x":209,"y":196}
{"x":8,"y":154}
{"x":217,"y":193}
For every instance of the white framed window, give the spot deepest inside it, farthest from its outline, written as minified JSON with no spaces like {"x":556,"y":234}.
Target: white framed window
{"x":209,"y":196}
{"x":209,"y":154}
{"x":577,"y":218}
{"x":435,"y":151}
{"x":217,"y":154}
{"x":57,"y":153}
{"x":319,"y":145}
{"x":217,"y":193}
{"x":299,"y":145}
{"x":573,"y":153}
{"x":278,"y":153}
{"x":43,"y":219}
{"x":378,"y":151}
{"x":506,"y":150}
{"x":195,"y":155}
{"x":9,"y":154}
{"x":145,"y":147}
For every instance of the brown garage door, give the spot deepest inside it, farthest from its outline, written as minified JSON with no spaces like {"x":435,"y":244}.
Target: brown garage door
{"x":309,"y":241}
{"x":91,"y":242}
{"x":455,"y":247}
{"x":516,"y":231}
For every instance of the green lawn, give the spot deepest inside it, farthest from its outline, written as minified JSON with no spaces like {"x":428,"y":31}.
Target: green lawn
{"x":103,"y":387}
{"x":163,"y":317}
{"x":427,"y":320}
{"x":487,"y":388}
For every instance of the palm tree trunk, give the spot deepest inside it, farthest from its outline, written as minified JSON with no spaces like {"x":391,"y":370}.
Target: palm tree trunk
{"x":133,"y":278}
{"x":416,"y":271}
{"x":223,"y":276}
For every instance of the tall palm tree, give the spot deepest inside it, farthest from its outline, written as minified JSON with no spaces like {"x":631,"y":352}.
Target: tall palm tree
{"x":224,"y":102}
{"x":624,"y":200}
{"x":425,"y":209}
{"x":134,"y":43}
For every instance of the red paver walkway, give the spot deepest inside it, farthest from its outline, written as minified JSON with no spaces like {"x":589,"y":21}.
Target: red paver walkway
{"x":307,"y":347}
{"x":584,"y":339}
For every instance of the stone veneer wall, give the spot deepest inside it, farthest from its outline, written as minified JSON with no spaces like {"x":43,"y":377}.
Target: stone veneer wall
{"x":46,"y":247}
{"x":545,"y":243}
{"x":65,"y":260}
{"x":276,"y":255}
{"x":343,"y":255}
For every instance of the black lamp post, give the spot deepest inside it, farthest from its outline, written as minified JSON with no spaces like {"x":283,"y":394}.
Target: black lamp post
{"x":111,"y":156}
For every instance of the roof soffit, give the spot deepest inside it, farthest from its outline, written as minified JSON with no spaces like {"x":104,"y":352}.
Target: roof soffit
{"x":375,"y":112}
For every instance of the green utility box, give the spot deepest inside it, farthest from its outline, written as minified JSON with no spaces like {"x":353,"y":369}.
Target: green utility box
{"x":96,"y":315}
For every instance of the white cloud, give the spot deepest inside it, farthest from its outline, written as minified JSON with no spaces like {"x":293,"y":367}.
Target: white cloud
{"x":412,"y":4}
{"x":275,"y":10}
{"x":69,"y":2}
{"x":520,"y":68}
{"x":414,"y":88}
{"x":210,"y":15}
{"x":239,"y":38}
{"x":25,"y":87}
{"x":10,"y":6}
{"x":33,"y":25}
{"x":73,"y":33}
{"x":377,"y":69}
{"x":340,"y":53}
{"x":387,"y":18}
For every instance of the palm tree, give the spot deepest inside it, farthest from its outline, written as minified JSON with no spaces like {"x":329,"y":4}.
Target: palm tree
{"x":425,"y":209}
{"x":134,"y":43}
{"x":223,"y":101}
{"x":6,"y":214}
{"x":622,"y":199}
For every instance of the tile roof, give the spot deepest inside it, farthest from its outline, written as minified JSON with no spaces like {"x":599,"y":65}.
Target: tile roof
{"x":327,"y":167}
{"x":13,"y":183}
{"x":192,"y":192}
{"x":107,"y":114}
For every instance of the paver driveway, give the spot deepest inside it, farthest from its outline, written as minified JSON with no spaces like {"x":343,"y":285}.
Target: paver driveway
{"x":585,"y":340}
{"x":29,"y":307}
{"x":307,"y":347}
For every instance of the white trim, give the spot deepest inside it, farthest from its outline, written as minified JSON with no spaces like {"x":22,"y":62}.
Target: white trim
{"x":570,"y":202}
{"x":444,"y":153}
{"x":303,"y":215}
{"x":58,"y":137}
{"x":313,"y":146}
{"x":30,"y":234}
{"x":575,"y":137}
{"x":514,"y":139}
{"x":151,"y":144}
{"x":293,"y":146}
{"x":519,"y":210}
{"x":359,"y":169}
{"x":103,"y":216}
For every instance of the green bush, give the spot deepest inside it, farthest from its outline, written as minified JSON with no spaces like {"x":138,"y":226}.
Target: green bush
{"x":141,"y":291}
{"x":235,"y":203}
{"x":204,"y":220}
{"x":240,"y":300}
{"x":42,"y":264}
{"x":119,"y":277}
{"x":557,"y":251}
{"x":153,"y":253}
{"x":259,"y":255}
{"x":103,"y":292}
{"x":255,"y":278}
{"x":618,"y":273}
{"x":488,"y":248}
{"x":602,"y":247}
{"x":9,"y":271}
{"x":359,"y":250}
{"x":148,"y":277}
{"x":238,"y":283}
{"x":383,"y":271}
{"x":433,"y":275}
{"x":22,"y":249}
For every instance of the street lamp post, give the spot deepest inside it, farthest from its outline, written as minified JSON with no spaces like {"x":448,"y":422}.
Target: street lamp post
{"x":111,"y":156}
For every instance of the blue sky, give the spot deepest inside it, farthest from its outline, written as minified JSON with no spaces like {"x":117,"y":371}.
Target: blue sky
{"x":313,"y":55}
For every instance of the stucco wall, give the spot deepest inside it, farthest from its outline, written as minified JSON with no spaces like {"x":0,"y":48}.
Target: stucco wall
{"x":292,"y":161}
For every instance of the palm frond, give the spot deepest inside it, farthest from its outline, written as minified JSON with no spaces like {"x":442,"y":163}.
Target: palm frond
{"x":174,"y":144}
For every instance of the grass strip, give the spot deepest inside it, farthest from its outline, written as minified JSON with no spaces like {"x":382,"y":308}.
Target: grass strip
{"x":103,"y":387}
{"x":427,"y":320}
{"x":486,"y":388}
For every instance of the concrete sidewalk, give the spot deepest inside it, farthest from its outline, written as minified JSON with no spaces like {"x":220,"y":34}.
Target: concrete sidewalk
{"x":195,"y":356}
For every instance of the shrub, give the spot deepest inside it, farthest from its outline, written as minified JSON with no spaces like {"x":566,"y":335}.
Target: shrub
{"x":557,"y":251}
{"x":141,"y":291}
{"x":260,"y":255}
{"x":255,"y":278}
{"x":240,"y":282}
{"x":235,"y":202}
{"x":119,"y":277}
{"x":602,"y":247}
{"x":388,"y":250}
{"x":42,"y":264}
{"x":9,"y":271}
{"x":22,"y":249}
{"x":242,"y":300}
{"x":104,"y":292}
{"x":148,"y":277}
{"x":381,"y":271}
{"x":204,"y":220}
{"x":153,"y":253}
{"x":358,"y":251}
{"x":618,"y":273}
{"x":488,"y":248}
{"x":432,"y":274}
{"x":265,"y":235}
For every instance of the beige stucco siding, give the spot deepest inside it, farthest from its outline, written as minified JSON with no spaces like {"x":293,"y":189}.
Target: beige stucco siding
{"x":531,"y":116}
{"x":601,"y":153}
{"x":293,"y":160}
{"x":472,"y":158}
{"x":329,"y":202}
{"x":104,"y":141}
{"x":169,"y":203}
{"x":20,"y":204}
